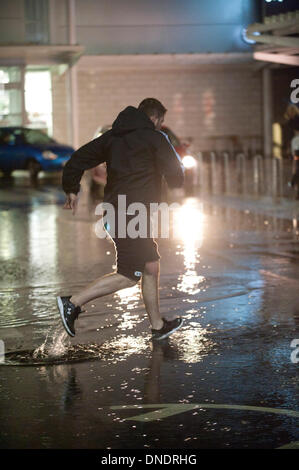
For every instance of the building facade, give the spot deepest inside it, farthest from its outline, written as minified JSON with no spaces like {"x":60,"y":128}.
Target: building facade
{"x":69,"y":67}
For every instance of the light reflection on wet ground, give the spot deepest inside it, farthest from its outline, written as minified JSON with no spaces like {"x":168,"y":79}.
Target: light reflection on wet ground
{"x":233,"y":275}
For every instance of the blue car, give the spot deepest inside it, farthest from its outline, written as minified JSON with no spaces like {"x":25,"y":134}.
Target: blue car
{"x":30,"y":149}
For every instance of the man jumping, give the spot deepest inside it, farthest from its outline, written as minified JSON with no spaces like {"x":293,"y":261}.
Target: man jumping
{"x":137,"y":156}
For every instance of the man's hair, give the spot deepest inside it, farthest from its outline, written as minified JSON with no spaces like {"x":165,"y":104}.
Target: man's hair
{"x":152,"y":107}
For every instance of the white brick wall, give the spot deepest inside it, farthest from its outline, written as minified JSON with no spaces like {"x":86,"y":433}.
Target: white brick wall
{"x":203,"y":102}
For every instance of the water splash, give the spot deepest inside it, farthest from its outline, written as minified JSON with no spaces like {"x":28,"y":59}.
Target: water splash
{"x":56,"y":343}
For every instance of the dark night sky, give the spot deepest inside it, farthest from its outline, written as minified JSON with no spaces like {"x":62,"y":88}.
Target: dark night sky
{"x":275,"y":7}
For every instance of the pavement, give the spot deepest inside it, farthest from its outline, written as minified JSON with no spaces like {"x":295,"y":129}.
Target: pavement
{"x":227,"y":379}
{"x":280,"y":208}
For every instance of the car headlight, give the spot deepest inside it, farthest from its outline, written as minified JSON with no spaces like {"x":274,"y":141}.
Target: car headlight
{"x":49,"y":155}
{"x":189,"y":162}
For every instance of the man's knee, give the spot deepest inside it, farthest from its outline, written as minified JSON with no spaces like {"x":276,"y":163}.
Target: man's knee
{"x":152,"y":268}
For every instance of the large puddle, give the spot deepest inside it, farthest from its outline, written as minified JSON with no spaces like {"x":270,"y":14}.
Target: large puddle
{"x":77,"y":353}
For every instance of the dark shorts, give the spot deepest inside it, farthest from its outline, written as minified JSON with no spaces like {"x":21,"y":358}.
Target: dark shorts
{"x":133,"y":253}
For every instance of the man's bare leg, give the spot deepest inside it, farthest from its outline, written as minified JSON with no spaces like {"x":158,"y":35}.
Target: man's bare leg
{"x":113,"y":282}
{"x":102,"y":286}
{"x":150,"y":293}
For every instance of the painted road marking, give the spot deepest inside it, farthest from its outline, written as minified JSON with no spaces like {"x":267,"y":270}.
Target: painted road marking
{"x":172,"y":409}
{"x":291,"y":445}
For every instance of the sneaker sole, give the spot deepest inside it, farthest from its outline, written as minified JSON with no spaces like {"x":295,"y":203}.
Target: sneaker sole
{"x":170,"y":332}
{"x":61,"y":311}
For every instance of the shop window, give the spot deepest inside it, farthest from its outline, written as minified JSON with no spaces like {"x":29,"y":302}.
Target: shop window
{"x":10,"y":96}
{"x":38,"y":99}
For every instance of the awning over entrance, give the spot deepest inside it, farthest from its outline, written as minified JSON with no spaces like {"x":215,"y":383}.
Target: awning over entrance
{"x":165,"y":61}
{"x":40,"y":54}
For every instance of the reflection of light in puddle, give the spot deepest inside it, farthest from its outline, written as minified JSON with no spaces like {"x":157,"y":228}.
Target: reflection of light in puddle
{"x":128,"y":321}
{"x":189,"y":223}
{"x":126,"y":346}
{"x":189,"y":282}
{"x":189,"y":227}
{"x":129,"y":297}
{"x":193,"y":344}
{"x":8,"y":243}
{"x":43,"y":239}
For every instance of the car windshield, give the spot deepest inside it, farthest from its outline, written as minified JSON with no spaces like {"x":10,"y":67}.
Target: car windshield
{"x":10,"y":136}
{"x":35,"y":137}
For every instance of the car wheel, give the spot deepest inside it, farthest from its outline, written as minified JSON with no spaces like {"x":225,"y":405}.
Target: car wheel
{"x":33,"y":167}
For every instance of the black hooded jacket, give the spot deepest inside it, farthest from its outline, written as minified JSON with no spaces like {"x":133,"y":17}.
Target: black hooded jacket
{"x":137,"y":156}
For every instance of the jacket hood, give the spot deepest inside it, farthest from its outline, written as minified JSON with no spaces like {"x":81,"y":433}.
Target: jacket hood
{"x":131,"y":119}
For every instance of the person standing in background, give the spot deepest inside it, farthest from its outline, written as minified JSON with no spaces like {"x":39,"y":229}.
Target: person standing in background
{"x":292,"y":120}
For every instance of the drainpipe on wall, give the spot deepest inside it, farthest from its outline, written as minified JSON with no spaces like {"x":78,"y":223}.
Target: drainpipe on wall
{"x":267,"y":111}
{"x":72,"y":80}
{"x":267,"y":126}
{"x":24,"y":114}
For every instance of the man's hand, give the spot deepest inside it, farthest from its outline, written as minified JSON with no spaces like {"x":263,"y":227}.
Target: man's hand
{"x":71,"y":202}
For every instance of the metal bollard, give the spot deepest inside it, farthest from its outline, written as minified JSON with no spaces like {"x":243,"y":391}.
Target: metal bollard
{"x":241,"y":172}
{"x":258,"y":175}
{"x":213,"y":170}
{"x":280,"y":177}
{"x":274,"y":178}
{"x":226,"y":173}
{"x":277,"y":177}
{"x":200,"y":171}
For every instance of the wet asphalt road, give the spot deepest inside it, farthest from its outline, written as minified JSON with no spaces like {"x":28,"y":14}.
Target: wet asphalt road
{"x":227,"y":379}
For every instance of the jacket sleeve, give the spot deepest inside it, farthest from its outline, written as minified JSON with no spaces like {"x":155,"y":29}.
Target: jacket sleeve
{"x":86,"y":157}
{"x":169,"y":162}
